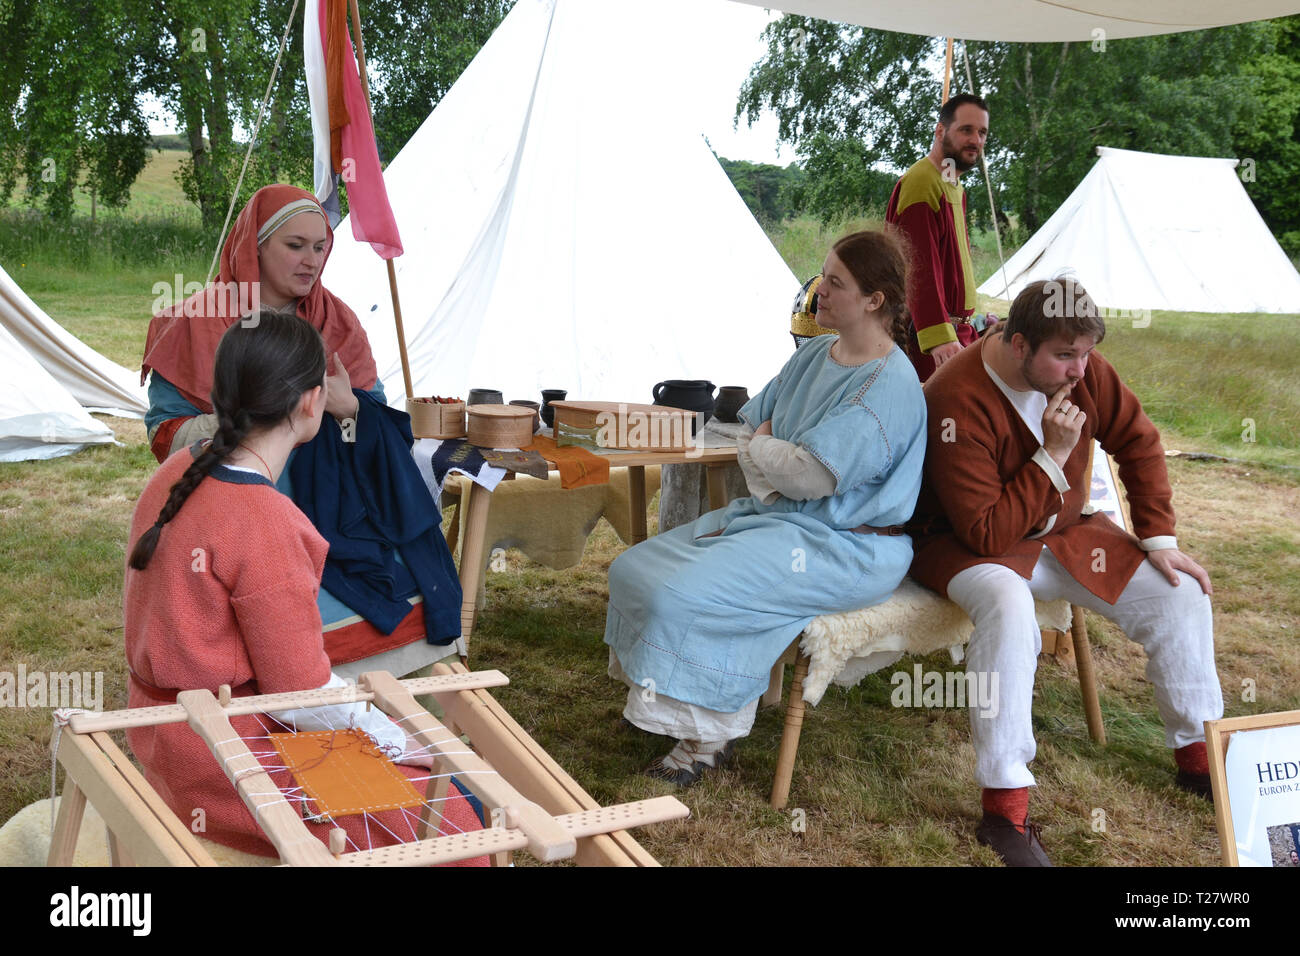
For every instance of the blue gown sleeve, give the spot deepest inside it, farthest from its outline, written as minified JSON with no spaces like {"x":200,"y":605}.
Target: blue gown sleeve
{"x":165,"y":403}
{"x":762,"y":406}
{"x":852,"y":442}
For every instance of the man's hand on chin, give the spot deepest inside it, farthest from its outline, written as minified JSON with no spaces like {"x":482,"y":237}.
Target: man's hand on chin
{"x":1170,"y":560}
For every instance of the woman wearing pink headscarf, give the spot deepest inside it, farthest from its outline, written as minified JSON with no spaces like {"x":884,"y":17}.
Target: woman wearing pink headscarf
{"x":273,"y":258}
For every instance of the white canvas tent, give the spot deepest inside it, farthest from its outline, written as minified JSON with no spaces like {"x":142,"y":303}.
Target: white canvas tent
{"x":1148,"y":231}
{"x":94,"y":381}
{"x":564,"y":228}
{"x":1039,"y":20}
{"x":38,"y":418}
{"x":49,"y":376}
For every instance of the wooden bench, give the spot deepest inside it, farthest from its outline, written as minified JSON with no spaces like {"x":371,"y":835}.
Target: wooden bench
{"x":844,"y":648}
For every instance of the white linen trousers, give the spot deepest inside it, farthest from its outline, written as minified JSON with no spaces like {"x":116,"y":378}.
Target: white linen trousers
{"x":1173,"y":624}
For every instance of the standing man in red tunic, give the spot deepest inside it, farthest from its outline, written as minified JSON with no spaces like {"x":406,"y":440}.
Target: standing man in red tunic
{"x":929,"y":205}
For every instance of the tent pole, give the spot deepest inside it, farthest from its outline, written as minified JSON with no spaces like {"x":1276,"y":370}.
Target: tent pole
{"x":947,"y":71}
{"x":984,"y":168}
{"x":392,"y":273}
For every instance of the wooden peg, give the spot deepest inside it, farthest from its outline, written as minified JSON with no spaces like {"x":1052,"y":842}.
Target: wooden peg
{"x":223,"y":695}
{"x":338,"y":841}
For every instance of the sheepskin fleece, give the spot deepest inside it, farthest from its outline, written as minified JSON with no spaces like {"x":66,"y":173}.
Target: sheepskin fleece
{"x":25,"y":841}
{"x":845,"y":648}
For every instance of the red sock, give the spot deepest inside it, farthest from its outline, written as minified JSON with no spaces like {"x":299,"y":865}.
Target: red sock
{"x":1012,"y":804}
{"x":1193,"y":758}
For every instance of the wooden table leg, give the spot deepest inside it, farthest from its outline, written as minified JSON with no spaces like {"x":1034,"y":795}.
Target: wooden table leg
{"x":716,"y":475}
{"x":637,"y":502}
{"x":474,"y":507}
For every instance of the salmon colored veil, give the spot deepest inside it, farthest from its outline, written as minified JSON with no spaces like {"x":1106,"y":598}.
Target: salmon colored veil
{"x":182,"y":340}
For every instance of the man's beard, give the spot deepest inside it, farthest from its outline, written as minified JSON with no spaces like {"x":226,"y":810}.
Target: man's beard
{"x":1037,"y":384}
{"x":951,"y":152}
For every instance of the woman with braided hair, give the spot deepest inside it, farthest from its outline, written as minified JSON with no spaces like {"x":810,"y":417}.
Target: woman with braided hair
{"x":221,"y":583}
{"x":699,"y":615}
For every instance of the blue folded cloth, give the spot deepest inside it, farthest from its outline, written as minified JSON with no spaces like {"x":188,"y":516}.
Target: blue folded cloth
{"x":367,"y":499}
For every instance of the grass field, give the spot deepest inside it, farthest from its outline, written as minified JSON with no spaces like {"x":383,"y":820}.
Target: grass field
{"x":876,"y":785}
{"x":155,"y":194}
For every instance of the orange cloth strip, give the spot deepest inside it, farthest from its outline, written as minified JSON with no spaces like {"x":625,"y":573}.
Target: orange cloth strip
{"x":578,"y":467}
{"x":344,"y":773}
{"x":336,"y":48}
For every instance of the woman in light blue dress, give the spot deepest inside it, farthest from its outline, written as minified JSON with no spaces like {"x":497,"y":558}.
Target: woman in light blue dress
{"x":698,"y":615}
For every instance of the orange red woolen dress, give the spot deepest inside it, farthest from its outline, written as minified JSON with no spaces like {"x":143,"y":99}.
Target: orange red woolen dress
{"x":230,"y":598}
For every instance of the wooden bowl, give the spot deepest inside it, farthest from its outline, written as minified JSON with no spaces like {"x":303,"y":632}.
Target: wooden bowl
{"x":500,"y":426}
{"x":436,"y":420}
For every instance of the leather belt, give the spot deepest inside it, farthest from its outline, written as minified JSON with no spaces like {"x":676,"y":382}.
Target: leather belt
{"x":168,"y":695}
{"x":891,"y":530}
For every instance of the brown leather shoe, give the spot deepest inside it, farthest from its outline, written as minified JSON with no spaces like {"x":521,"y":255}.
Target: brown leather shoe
{"x":688,"y":776}
{"x":1015,"y":848}
{"x":1195,"y":783}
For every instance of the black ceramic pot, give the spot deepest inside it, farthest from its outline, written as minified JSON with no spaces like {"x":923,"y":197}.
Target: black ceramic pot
{"x":695,"y":395}
{"x":551,"y":395}
{"x":524,"y":403}
{"x":731,"y":399}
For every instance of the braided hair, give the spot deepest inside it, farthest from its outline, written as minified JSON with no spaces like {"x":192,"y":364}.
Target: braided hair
{"x":878,"y":262}
{"x":261,"y":370}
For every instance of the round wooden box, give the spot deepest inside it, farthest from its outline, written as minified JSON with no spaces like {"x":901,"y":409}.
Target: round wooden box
{"x":436,"y":419}
{"x":500,"y":426}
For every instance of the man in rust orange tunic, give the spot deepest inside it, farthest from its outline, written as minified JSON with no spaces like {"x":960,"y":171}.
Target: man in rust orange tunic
{"x":1011,"y":420}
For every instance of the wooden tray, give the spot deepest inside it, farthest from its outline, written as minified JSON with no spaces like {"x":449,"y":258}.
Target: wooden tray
{"x":436,"y":420}
{"x":500,"y":426}
{"x":629,"y":426}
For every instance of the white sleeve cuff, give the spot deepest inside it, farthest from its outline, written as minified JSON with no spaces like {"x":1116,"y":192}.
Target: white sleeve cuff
{"x":791,"y":469}
{"x":1046,"y":462}
{"x":1051,"y":521}
{"x":389,"y":737}
{"x":755,"y":480}
{"x":1158,"y":543}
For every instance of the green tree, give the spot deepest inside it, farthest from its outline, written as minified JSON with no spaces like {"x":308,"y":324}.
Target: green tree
{"x":74,"y":74}
{"x":1269,"y":142}
{"x":839,"y":180}
{"x":415,"y":50}
{"x":1050,"y":104}
{"x":209,"y":58}
{"x":768,"y":190}
{"x":67,"y":102}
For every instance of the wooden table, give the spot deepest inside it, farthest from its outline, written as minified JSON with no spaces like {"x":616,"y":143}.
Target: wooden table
{"x":475,"y":505}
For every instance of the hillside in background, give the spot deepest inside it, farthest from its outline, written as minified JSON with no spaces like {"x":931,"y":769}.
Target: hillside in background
{"x":156,"y":193}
